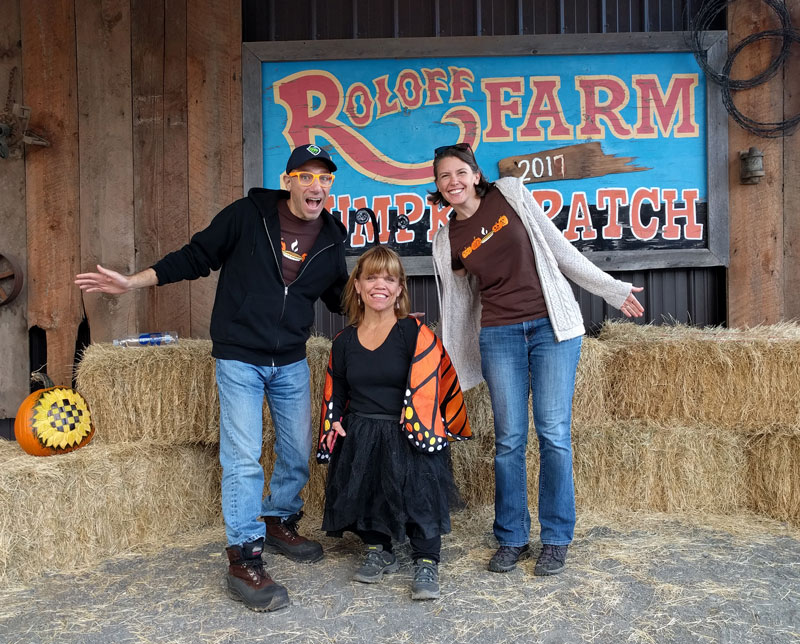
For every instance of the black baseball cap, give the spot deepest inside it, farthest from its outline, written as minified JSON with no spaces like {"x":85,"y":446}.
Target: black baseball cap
{"x":309,"y":152}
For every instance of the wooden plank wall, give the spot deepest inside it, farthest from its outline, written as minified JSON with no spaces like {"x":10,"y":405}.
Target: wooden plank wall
{"x":141,"y":100}
{"x":106,"y":156}
{"x":160,"y":154}
{"x":214,"y":55}
{"x":791,"y":180}
{"x":52,"y":178}
{"x":13,"y":321}
{"x":756,"y":273}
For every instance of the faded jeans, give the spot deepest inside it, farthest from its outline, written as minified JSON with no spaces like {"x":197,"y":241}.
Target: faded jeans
{"x":242,"y":387}
{"x":518,"y":359}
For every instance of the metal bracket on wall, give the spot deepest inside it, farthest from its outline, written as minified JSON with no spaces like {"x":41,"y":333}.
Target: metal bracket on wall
{"x":10,"y":139}
{"x":14,"y":121}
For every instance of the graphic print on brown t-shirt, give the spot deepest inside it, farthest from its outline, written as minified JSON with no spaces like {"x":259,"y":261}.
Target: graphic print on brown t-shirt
{"x":494,"y":246}
{"x":297,"y":239}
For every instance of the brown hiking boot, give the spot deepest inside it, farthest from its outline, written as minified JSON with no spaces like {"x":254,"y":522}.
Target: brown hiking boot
{"x":282,"y":536}
{"x":249,"y":583}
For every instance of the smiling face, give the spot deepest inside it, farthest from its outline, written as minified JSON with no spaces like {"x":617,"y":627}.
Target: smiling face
{"x":307,"y":202}
{"x":456,"y":180}
{"x":378,"y":291}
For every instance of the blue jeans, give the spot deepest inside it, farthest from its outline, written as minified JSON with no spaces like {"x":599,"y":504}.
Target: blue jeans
{"x":518,"y":359}
{"x":241,"y":396}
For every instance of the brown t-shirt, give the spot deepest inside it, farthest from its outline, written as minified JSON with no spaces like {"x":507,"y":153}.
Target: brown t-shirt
{"x":494,"y":246}
{"x":297,"y":239}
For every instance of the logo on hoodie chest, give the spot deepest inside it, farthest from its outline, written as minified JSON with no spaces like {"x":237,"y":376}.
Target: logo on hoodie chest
{"x":293,"y":251}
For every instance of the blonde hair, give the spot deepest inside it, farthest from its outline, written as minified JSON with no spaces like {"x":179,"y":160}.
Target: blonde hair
{"x":376,"y":260}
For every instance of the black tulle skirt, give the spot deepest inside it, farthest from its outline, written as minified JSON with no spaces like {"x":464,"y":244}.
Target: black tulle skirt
{"x":378,"y":481}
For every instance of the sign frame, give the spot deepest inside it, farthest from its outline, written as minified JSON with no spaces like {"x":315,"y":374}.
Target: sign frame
{"x":717,"y":252}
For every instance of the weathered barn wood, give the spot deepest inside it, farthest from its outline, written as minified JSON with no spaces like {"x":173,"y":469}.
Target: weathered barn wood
{"x":755,"y":290}
{"x":215,"y":126}
{"x":52,"y":178}
{"x":106,"y":157}
{"x":160,"y":158}
{"x":13,"y":323}
{"x":791,"y":180}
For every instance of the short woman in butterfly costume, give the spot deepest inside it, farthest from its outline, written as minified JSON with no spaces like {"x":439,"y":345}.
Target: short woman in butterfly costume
{"x":391,"y":405}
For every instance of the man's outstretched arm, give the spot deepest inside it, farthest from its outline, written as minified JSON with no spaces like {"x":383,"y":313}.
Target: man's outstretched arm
{"x":113,"y":283}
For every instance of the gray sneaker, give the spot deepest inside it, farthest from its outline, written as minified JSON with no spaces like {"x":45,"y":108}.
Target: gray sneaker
{"x":426,"y":580}
{"x":506,"y":557}
{"x":551,"y":561}
{"x":376,"y":563}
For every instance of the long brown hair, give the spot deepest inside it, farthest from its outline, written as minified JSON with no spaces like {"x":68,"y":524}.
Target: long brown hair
{"x":463,"y":152}
{"x":378,"y":259}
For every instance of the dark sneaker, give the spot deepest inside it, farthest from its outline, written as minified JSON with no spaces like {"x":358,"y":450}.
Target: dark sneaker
{"x":551,"y":560}
{"x":249,"y":583}
{"x":506,"y":557}
{"x":282,"y":536}
{"x":426,"y":580}
{"x":376,"y":563}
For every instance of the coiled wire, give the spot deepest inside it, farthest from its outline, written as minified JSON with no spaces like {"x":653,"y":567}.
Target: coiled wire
{"x":788,"y":35}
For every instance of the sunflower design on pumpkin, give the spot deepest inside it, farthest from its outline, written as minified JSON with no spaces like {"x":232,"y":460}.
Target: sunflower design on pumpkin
{"x":61,"y":419}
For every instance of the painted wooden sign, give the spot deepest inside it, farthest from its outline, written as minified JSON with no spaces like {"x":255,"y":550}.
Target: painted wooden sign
{"x":615,"y":136}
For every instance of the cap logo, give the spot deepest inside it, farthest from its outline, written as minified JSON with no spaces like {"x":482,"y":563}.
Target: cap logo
{"x":313,"y":149}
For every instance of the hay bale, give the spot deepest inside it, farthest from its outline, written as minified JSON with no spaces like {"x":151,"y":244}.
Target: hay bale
{"x":722,"y":377}
{"x":625,"y":332}
{"x":589,"y":402}
{"x":664,"y":467}
{"x":168,"y":395}
{"x":67,"y":512}
{"x":151,"y":395}
{"x":627,"y":466}
{"x":473,"y":469}
{"x":691,"y":407}
{"x":774,"y":472}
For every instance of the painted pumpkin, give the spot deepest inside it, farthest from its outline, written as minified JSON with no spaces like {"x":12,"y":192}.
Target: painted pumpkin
{"x":53,"y":420}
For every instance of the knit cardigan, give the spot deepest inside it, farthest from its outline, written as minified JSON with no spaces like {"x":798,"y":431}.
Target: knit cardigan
{"x":556,"y":260}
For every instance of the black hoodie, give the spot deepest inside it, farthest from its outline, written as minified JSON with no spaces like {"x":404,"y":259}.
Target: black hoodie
{"x":256,"y":318}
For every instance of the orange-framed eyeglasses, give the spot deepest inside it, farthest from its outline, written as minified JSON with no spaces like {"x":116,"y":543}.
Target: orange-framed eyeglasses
{"x":307,"y":178}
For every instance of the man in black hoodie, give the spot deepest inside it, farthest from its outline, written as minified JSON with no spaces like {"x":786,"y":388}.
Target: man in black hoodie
{"x":278,"y":251}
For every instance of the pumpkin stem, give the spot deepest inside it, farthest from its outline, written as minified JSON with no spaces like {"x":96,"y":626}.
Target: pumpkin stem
{"x":43,"y":378}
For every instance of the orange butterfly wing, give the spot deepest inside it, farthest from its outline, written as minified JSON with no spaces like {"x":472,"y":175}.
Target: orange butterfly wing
{"x":326,"y":416}
{"x":434,"y":410}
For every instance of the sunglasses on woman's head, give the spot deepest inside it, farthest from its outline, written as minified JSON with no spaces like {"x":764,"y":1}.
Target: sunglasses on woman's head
{"x":456,"y":146}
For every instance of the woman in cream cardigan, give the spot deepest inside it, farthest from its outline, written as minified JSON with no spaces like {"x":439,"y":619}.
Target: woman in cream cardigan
{"x":501,"y":270}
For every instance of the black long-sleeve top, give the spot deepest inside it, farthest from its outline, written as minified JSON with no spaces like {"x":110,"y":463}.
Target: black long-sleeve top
{"x":374,"y":382}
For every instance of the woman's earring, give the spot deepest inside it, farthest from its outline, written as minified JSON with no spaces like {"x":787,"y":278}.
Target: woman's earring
{"x":397,"y":304}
